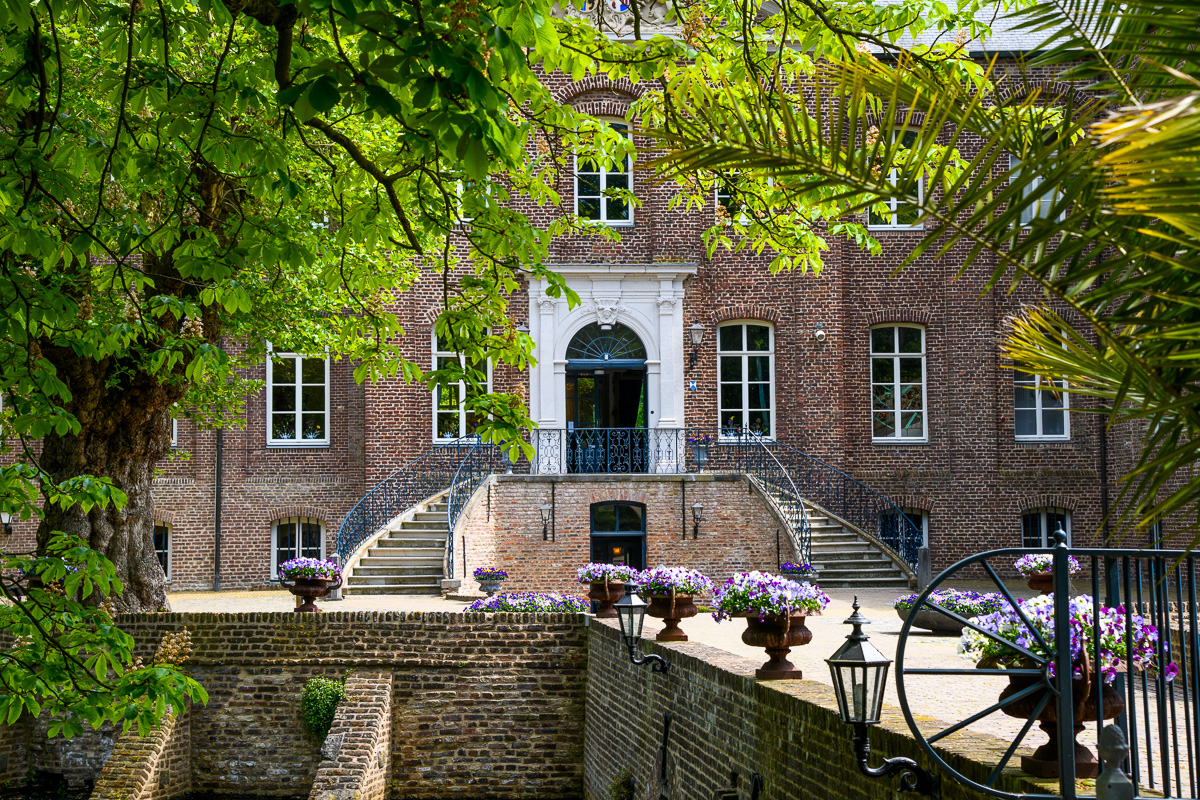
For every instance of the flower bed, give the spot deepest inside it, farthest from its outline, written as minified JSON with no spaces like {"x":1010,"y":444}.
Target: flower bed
{"x":309,"y":568}
{"x":490,"y":574}
{"x":964,"y":603}
{"x":801,"y":570}
{"x":1042,"y":564}
{"x":1004,"y":622}
{"x":662,"y":580}
{"x":606,"y":573}
{"x":761,"y":594}
{"x":528,"y":602}
{"x":700,"y":440}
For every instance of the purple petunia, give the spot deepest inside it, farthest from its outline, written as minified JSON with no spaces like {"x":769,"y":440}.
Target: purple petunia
{"x":662,"y":580}
{"x":529,"y":602}
{"x":963,"y":602}
{"x":1042,"y":564}
{"x":490,"y":574}
{"x":606,"y":573}
{"x":762,"y":593}
{"x":788,"y":568}
{"x":313,"y":568}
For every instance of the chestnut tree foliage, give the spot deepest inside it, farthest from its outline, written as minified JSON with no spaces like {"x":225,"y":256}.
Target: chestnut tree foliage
{"x":186,"y":184}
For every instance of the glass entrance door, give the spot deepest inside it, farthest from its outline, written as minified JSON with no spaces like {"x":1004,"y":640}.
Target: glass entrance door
{"x":606,"y":421}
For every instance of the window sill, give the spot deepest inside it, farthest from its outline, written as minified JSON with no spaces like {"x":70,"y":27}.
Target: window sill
{"x":1043,"y":440}
{"x":898,"y":442}
{"x":901,"y":228}
{"x":298,"y":446}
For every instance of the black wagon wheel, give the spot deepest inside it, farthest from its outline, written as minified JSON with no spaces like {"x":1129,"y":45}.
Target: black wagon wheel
{"x":1042,"y":690}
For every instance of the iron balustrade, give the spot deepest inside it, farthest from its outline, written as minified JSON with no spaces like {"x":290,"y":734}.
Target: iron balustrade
{"x":412,"y":484}
{"x":480,"y":461}
{"x":1160,"y":716}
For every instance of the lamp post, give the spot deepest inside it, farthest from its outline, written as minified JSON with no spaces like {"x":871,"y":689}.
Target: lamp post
{"x":6,"y":520}
{"x":696,"y":333}
{"x":859,"y":676}
{"x":697,"y":516}
{"x":545,"y":511}
{"x":631,"y":612}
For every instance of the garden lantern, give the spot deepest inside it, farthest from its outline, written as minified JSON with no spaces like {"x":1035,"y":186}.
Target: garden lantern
{"x":697,"y":516}
{"x":696,"y":333}
{"x":859,"y":673}
{"x":631,"y":613}
{"x":545,"y":511}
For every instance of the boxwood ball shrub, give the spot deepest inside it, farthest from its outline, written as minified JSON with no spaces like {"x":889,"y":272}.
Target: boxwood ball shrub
{"x":318,"y":703}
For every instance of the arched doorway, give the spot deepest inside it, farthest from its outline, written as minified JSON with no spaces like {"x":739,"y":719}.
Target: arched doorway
{"x":606,"y":400}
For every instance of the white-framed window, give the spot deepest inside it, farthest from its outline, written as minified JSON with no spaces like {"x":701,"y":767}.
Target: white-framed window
{"x":1040,"y":408}
{"x":451,"y":417}
{"x":1045,"y":201}
{"x":593,"y":184}
{"x":162,"y":546}
{"x":899,"y":215}
{"x":472,"y":198}
{"x":297,"y":400}
{"x":898,"y":384}
{"x":745,"y":378}
{"x":1039,"y":525}
{"x":295,"y":537}
{"x":174,"y":432}
{"x":891,"y":525}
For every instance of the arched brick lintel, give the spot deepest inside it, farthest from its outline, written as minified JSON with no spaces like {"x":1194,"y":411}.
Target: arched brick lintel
{"x":910,"y":315}
{"x":1047,"y":92}
{"x":917,"y":501}
{"x":311,"y":512}
{"x":747,"y":311}
{"x":1048,"y":500}
{"x":603,"y":108}
{"x":594,"y":83}
{"x":164,"y":516}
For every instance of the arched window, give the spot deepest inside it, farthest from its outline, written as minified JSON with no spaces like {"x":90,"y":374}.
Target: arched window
{"x":594,"y":187}
{"x":898,"y":384}
{"x":619,"y":534}
{"x":296,"y":537}
{"x":614,"y":345}
{"x":1039,"y":525}
{"x":745,"y":378}
{"x":162,"y":546}
{"x":891,"y":526}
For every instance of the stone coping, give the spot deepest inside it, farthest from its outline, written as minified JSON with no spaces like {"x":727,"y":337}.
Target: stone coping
{"x":634,"y":477}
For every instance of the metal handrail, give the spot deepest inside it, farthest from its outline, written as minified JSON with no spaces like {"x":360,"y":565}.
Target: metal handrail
{"x":797,"y":516}
{"x":416,"y":481}
{"x":480,"y":462}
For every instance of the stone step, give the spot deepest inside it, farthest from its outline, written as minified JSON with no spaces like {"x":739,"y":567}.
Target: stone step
{"x":856,"y":557}
{"x":392,"y":560}
{"x":421,"y":553}
{"x":900,"y":584}
{"x":883,"y":570}
{"x":415,"y":571}
{"x":417,"y":591}
{"x":430,"y":516}
{"x":389,"y":579}
{"x":422,"y":541}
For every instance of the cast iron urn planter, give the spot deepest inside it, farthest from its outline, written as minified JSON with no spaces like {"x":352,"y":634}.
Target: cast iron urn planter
{"x":1084,"y":690}
{"x":1042,"y":582}
{"x":930,"y":620}
{"x":605,"y":593}
{"x":491,"y":587}
{"x":671,"y":608}
{"x":777,"y":634}
{"x":310,"y":589}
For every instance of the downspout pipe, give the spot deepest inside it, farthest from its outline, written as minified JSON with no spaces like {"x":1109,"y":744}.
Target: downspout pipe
{"x":219,"y":480}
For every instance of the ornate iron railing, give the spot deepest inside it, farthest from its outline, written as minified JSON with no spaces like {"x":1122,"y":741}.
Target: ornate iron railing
{"x":480,"y":461}
{"x":1154,"y":703}
{"x":413,"y":483}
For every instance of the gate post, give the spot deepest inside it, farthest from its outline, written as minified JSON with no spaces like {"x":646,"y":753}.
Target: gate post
{"x":1063,"y":668}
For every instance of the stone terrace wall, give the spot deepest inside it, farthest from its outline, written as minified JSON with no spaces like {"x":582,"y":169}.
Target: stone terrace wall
{"x":156,"y":766}
{"x":725,"y":722}
{"x":481,"y":705}
{"x":358,"y":748}
{"x":13,"y":753}
{"x":737,"y":534}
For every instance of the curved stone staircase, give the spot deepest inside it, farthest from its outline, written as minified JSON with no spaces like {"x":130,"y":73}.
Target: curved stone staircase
{"x":408,"y":558}
{"x":845,"y":559}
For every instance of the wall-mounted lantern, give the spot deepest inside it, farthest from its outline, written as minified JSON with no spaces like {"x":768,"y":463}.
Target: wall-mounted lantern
{"x":546,"y":511}
{"x":697,"y":518}
{"x":6,"y":520}
{"x":859,"y":676}
{"x":522,"y":328}
{"x":631,"y":612}
{"x":696,"y":333}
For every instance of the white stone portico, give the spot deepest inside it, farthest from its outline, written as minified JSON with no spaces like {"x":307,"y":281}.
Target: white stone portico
{"x":646,"y":298}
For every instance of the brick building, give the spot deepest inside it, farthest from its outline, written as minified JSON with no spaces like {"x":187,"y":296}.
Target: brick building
{"x":850,"y":377}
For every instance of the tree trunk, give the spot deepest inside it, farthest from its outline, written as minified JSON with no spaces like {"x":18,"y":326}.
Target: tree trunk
{"x":126,"y":432}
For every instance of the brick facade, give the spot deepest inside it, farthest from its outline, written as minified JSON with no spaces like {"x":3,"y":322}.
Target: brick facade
{"x":971,"y":477}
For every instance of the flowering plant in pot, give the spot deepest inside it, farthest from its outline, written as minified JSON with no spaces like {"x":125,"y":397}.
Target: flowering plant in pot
{"x":699,"y":446}
{"x":529,"y":602}
{"x":1091,"y":682}
{"x":775,"y":609}
{"x":1039,"y":569}
{"x":490,"y":579}
{"x":798,"y":570}
{"x":965,"y":603}
{"x":607,"y":584}
{"x":672,"y":591}
{"x":310,"y":578}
